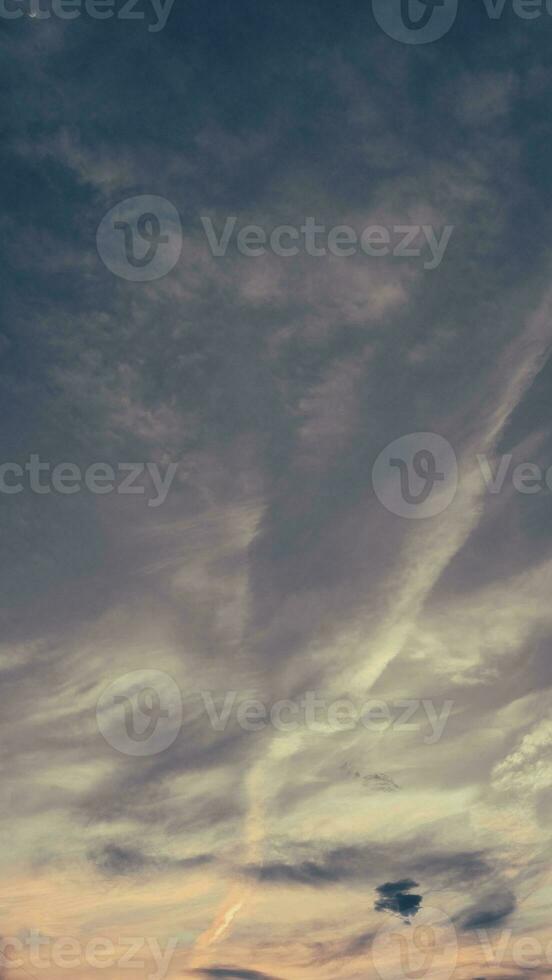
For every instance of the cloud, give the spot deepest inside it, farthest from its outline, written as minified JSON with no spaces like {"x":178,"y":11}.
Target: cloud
{"x":361,"y":862}
{"x":305,"y":873}
{"x":489,"y":911}
{"x":394,"y":897}
{"x":117,"y":860}
{"x":233,"y":973}
{"x":114,"y":859}
{"x":272,"y":569}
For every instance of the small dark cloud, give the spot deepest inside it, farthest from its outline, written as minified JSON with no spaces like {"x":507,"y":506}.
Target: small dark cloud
{"x":232,"y":973}
{"x":490,"y":911}
{"x":115,"y":859}
{"x":394,"y":897}
{"x":392,"y":887}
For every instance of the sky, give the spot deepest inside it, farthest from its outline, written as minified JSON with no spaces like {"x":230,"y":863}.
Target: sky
{"x":277,"y":550}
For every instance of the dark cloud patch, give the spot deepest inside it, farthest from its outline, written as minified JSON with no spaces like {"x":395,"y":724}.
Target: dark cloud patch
{"x":233,"y":973}
{"x":489,"y":911}
{"x":358,"y":944}
{"x":369,"y":861}
{"x":395,"y":897}
{"x":456,"y":867}
{"x":117,"y":860}
{"x":305,"y":873}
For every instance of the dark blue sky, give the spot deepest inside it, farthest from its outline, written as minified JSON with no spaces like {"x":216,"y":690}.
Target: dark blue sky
{"x":271,"y":386}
